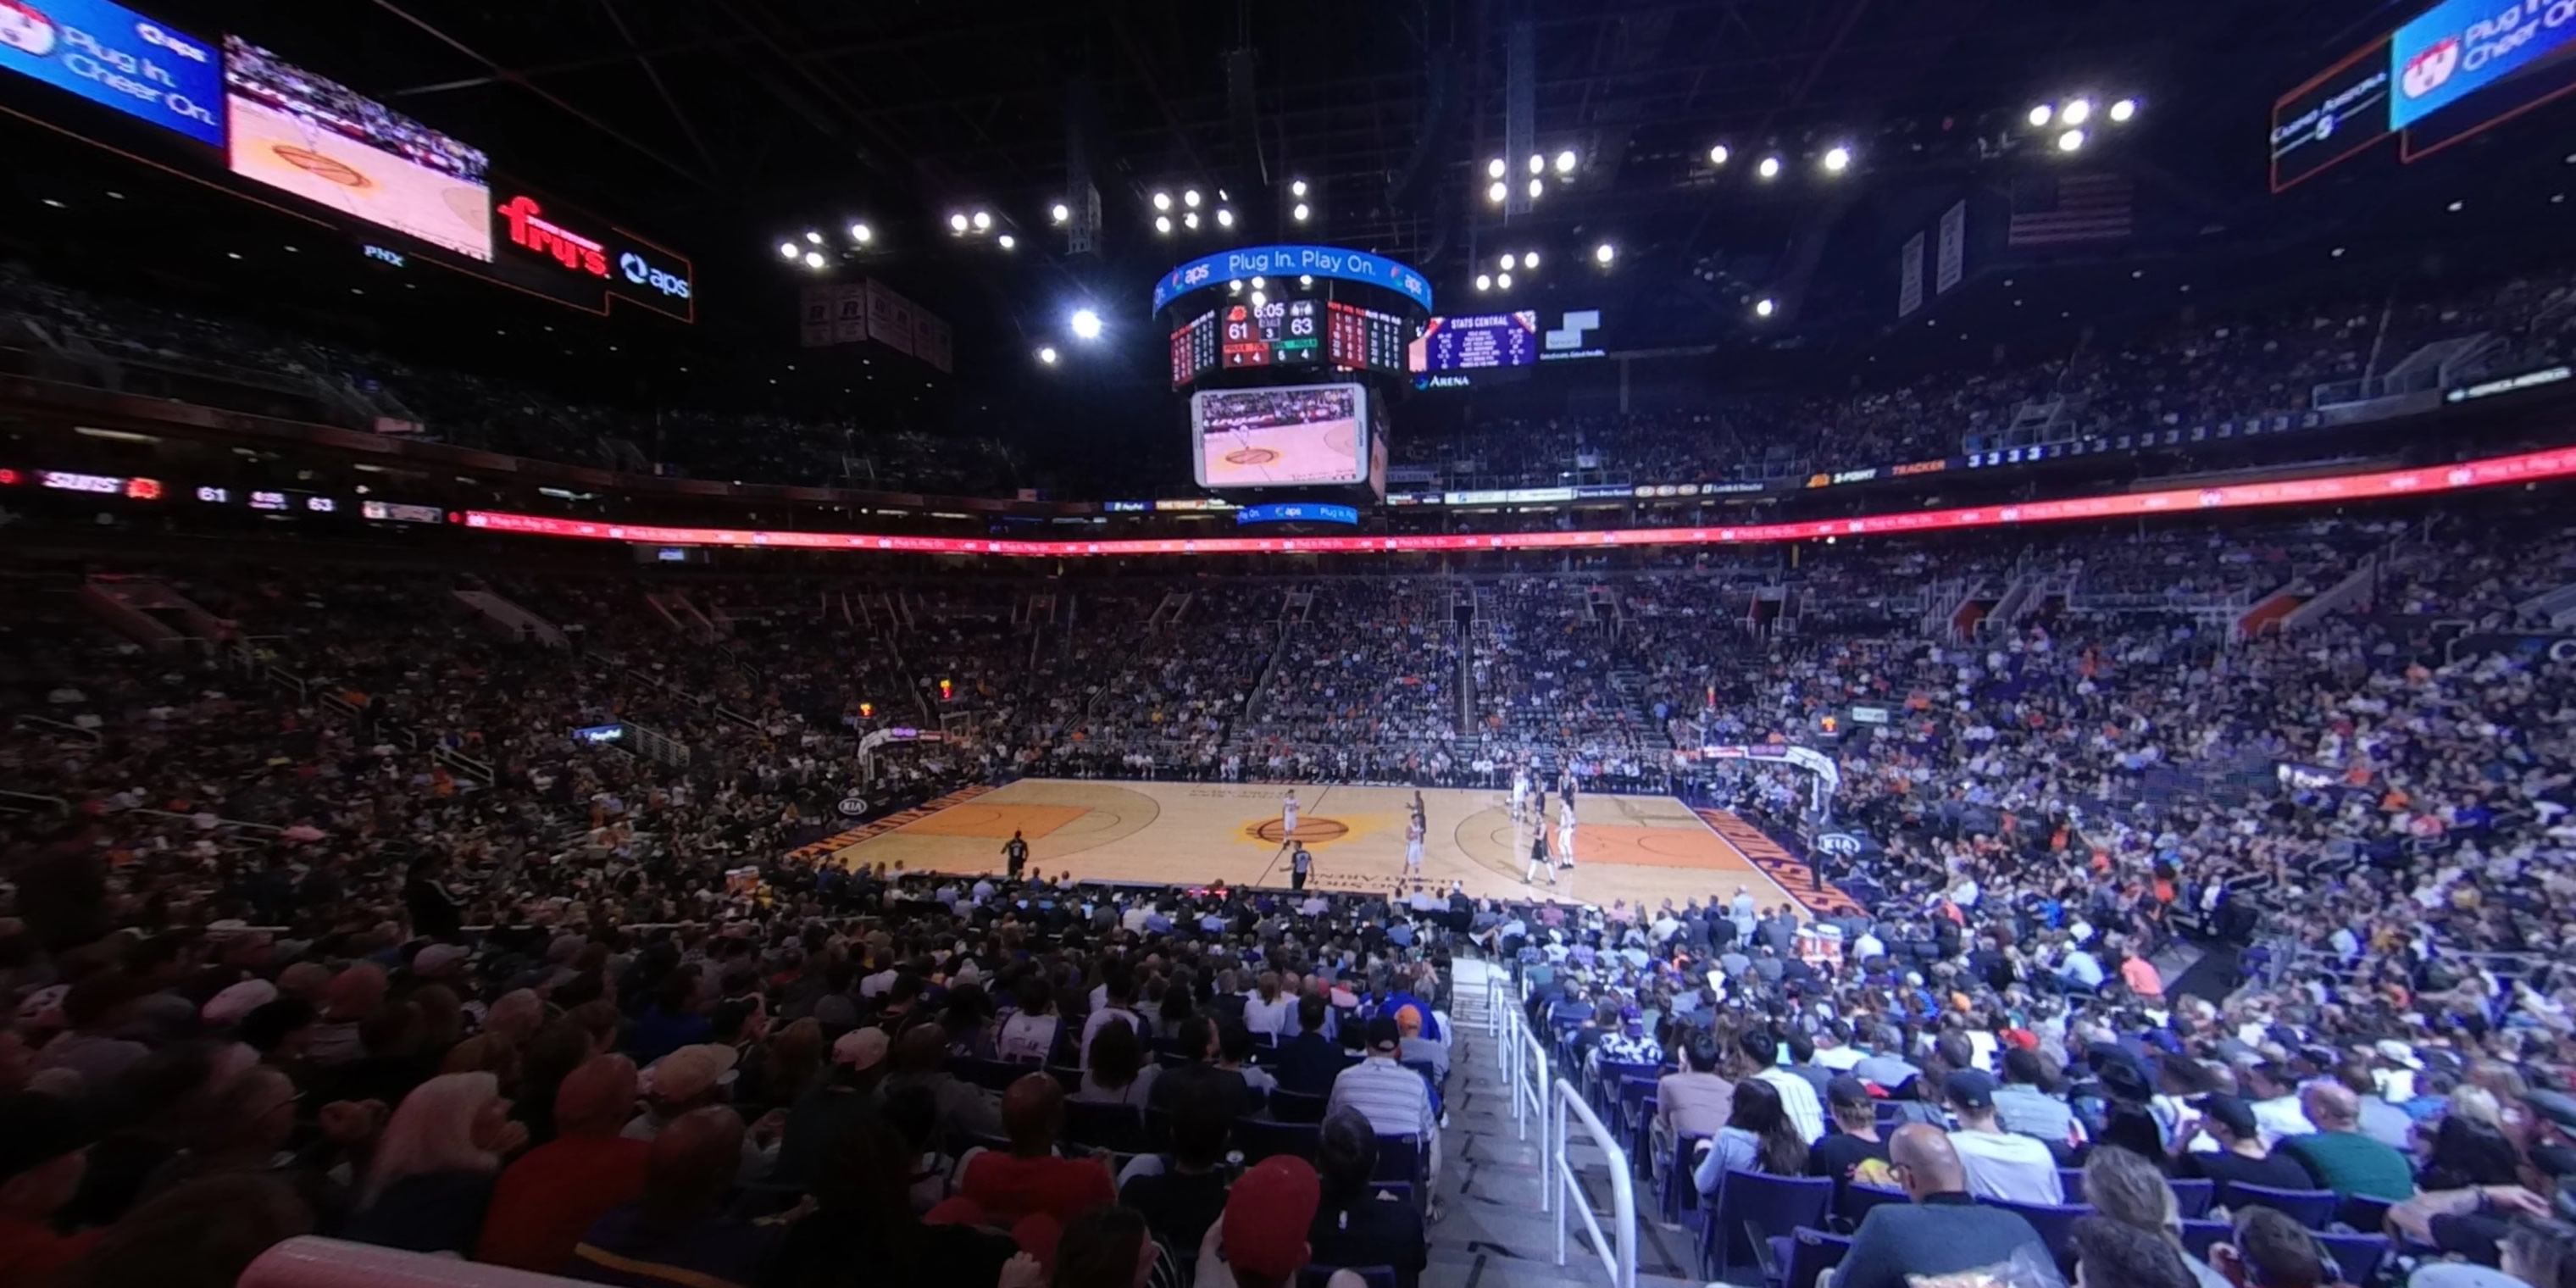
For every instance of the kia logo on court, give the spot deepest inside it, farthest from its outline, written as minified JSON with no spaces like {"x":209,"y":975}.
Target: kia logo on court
{"x":852,"y":806}
{"x":1838,"y":843}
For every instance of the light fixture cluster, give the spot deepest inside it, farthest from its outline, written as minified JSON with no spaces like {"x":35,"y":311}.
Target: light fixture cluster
{"x":809,"y":249}
{"x":980,"y":223}
{"x":1835,"y":159}
{"x":1299,"y":209}
{"x":2074,"y":118}
{"x":1525,"y":262}
{"x":1084,"y":324}
{"x":1535,"y":170}
{"x":1190,"y":211}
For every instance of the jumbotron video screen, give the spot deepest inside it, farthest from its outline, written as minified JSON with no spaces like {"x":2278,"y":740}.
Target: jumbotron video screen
{"x":1297,"y":436}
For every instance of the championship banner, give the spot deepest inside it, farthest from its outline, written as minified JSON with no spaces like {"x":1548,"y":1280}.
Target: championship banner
{"x":1952,"y":263}
{"x":1909,"y":277}
{"x":889,"y":318}
{"x":849,"y":314}
{"x":814,"y":317}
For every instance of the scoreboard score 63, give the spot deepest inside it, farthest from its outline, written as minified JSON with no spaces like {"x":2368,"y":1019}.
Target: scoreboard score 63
{"x":1276,"y":333}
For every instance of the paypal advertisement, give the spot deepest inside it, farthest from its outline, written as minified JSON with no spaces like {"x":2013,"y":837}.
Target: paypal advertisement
{"x":110,"y":54}
{"x":2459,"y":47}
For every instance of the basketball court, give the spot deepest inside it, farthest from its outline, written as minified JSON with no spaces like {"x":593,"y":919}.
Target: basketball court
{"x":1323,"y":451}
{"x":1637,"y":848}
{"x":355,"y":179}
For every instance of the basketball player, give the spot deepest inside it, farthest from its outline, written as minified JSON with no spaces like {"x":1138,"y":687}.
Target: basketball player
{"x":1413,"y":831}
{"x":1538,"y":857}
{"x":1288,"y":816}
{"x":1300,"y":864}
{"x":1016,"y":852}
{"x":1520,"y":789}
{"x":1538,"y":817}
{"x":1565,"y":833}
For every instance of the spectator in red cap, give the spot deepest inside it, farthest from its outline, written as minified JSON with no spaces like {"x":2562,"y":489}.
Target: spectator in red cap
{"x":1261,"y":1242}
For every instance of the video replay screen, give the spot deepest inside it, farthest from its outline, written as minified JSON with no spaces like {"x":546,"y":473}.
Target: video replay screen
{"x":316,"y":138}
{"x":1297,"y":436}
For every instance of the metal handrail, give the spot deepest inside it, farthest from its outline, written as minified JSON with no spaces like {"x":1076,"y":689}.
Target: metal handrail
{"x":1618,"y":1254}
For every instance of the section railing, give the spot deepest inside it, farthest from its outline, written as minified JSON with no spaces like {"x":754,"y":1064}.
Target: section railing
{"x":1617,"y":1248}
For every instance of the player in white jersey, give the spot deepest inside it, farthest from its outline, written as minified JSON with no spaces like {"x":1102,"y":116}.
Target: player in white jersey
{"x":1565,"y":833}
{"x":1520,"y":791}
{"x":1288,"y":817}
{"x":1413,"y":831}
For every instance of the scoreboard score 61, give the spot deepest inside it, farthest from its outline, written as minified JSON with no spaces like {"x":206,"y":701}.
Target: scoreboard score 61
{"x":1275,"y":333}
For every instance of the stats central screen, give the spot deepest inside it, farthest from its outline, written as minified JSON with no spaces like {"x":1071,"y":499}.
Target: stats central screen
{"x":1475,"y":343}
{"x":1299,"y":436}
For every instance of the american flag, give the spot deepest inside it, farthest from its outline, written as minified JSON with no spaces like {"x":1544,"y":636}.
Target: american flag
{"x":2055,"y":210}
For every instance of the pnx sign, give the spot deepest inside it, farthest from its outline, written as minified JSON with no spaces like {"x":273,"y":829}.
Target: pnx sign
{"x":566,"y":257}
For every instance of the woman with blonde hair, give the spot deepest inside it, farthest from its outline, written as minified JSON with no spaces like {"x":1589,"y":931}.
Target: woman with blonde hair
{"x":433,"y":1169}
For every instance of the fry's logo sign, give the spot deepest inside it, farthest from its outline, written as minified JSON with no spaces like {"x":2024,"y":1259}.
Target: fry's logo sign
{"x":530,"y":229}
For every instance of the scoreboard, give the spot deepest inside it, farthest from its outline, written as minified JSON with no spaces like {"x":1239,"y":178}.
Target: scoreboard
{"x":1194,"y":349}
{"x":1365,"y":339}
{"x":1474,"y":343}
{"x":1275,"y":333}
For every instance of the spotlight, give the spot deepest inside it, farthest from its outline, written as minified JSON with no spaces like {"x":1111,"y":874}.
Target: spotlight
{"x":813,"y":259}
{"x":1163,"y":224}
{"x":1224,"y":218}
{"x":1718,"y":155}
{"x":1530,"y":260}
{"x":1604,"y":253}
{"x":1190,"y":220}
{"x":2076,"y":112}
{"x":1305,"y":279}
{"x":1537,"y":186}
{"x":1508,"y":261}
{"x":1299,"y":214}
{"x":1297,"y":188}
{"x":1162,"y":201}
{"x":1086,"y":324}
{"x":1763,"y":308}
{"x":1502,"y":281}
{"x":1837,"y":160}
{"x":1565,"y":161}
{"x":1260,"y":298}
{"x":1046,"y":354}
{"x":1495,"y":169}
{"x":787,"y":250}
{"x":813,"y":237}
{"x":2070,"y":141}
{"x":2040,"y":115}
{"x":1538,"y":164}
{"x":1770,"y":168}
{"x":1234,"y":287}
{"x":1190,"y":198}
{"x":983,"y":220}
{"x":1258,"y":283}
{"x":1495,"y":192}
{"x":2123,"y":109}
{"x":862,"y":234}
{"x":1007,"y":241}
{"x":957,"y":222}
{"x":1484,"y":282}
{"x":1060,"y":213}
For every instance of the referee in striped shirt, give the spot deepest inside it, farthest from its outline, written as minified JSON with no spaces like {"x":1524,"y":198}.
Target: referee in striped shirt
{"x":1394,"y":1099}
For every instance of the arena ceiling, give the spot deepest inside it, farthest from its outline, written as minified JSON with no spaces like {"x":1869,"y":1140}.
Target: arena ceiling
{"x":729,"y":124}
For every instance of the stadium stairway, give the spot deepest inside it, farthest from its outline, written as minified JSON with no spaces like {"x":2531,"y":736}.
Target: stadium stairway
{"x":1493,"y":1234}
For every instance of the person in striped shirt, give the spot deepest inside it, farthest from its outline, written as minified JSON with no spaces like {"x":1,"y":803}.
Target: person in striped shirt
{"x":1395,"y":1099}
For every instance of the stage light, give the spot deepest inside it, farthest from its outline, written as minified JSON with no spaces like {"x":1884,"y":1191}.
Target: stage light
{"x":2123,"y":109}
{"x":1763,"y":308}
{"x":957,"y":222}
{"x":1260,"y":298}
{"x":2454,"y":207}
{"x":1259,"y":282}
{"x":1718,"y":155}
{"x":1509,"y":260}
{"x":787,"y":250}
{"x":862,"y":234}
{"x":2070,"y":141}
{"x":1299,"y":214}
{"x":1297,"y":188}
{"x":1007,"y":241}
{"x":1538,"y":164}
{"x":1496,"y":192}
{"x":1484,"y":281}
{"x":1190,"y":198}
{"x":1565,"y":161}
{"x":1537,"y":186}
{"x":1604,"y":253}
{"x":1086,"y":324}
{"x":1220,"y":195}
{"x":813,"y":237}
{"x":1305,"y":279}
{"x":1234,"y":287}
{"x":1060,"y":212}
{"x":1190,"y":220}
{"x":2076,"y":112}
{"x":1224,"y":218}
{"x":2041,"y":115}
{"x":1837,"y":160}
{"x":1502,"y":281}
{"x":1162,"y":201}
{"x":1046,"y":354}
{"x":983,"y":220}
{"x":1770,"y":168}
{"x":813,"y":259}
{"x":1163,"y":224}
{"x":1495,"y":169}
{"x":1530,"y":260}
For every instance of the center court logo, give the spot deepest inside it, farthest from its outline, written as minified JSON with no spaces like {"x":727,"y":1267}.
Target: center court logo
{"x":2430,"y":69}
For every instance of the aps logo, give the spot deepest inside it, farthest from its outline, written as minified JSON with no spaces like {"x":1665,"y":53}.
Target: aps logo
{"x":643,"y":274}
{"x":2429,"y":69}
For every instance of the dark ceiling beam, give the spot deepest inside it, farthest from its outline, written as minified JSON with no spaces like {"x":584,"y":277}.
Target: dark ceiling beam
{"x":1154,"y":90}
{"x":645,"y":64}
{"x":719,"y":44}
{"x":507,"y":76}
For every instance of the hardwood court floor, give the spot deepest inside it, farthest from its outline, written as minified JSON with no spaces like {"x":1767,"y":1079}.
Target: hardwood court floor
{"x":1635,"y":848}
